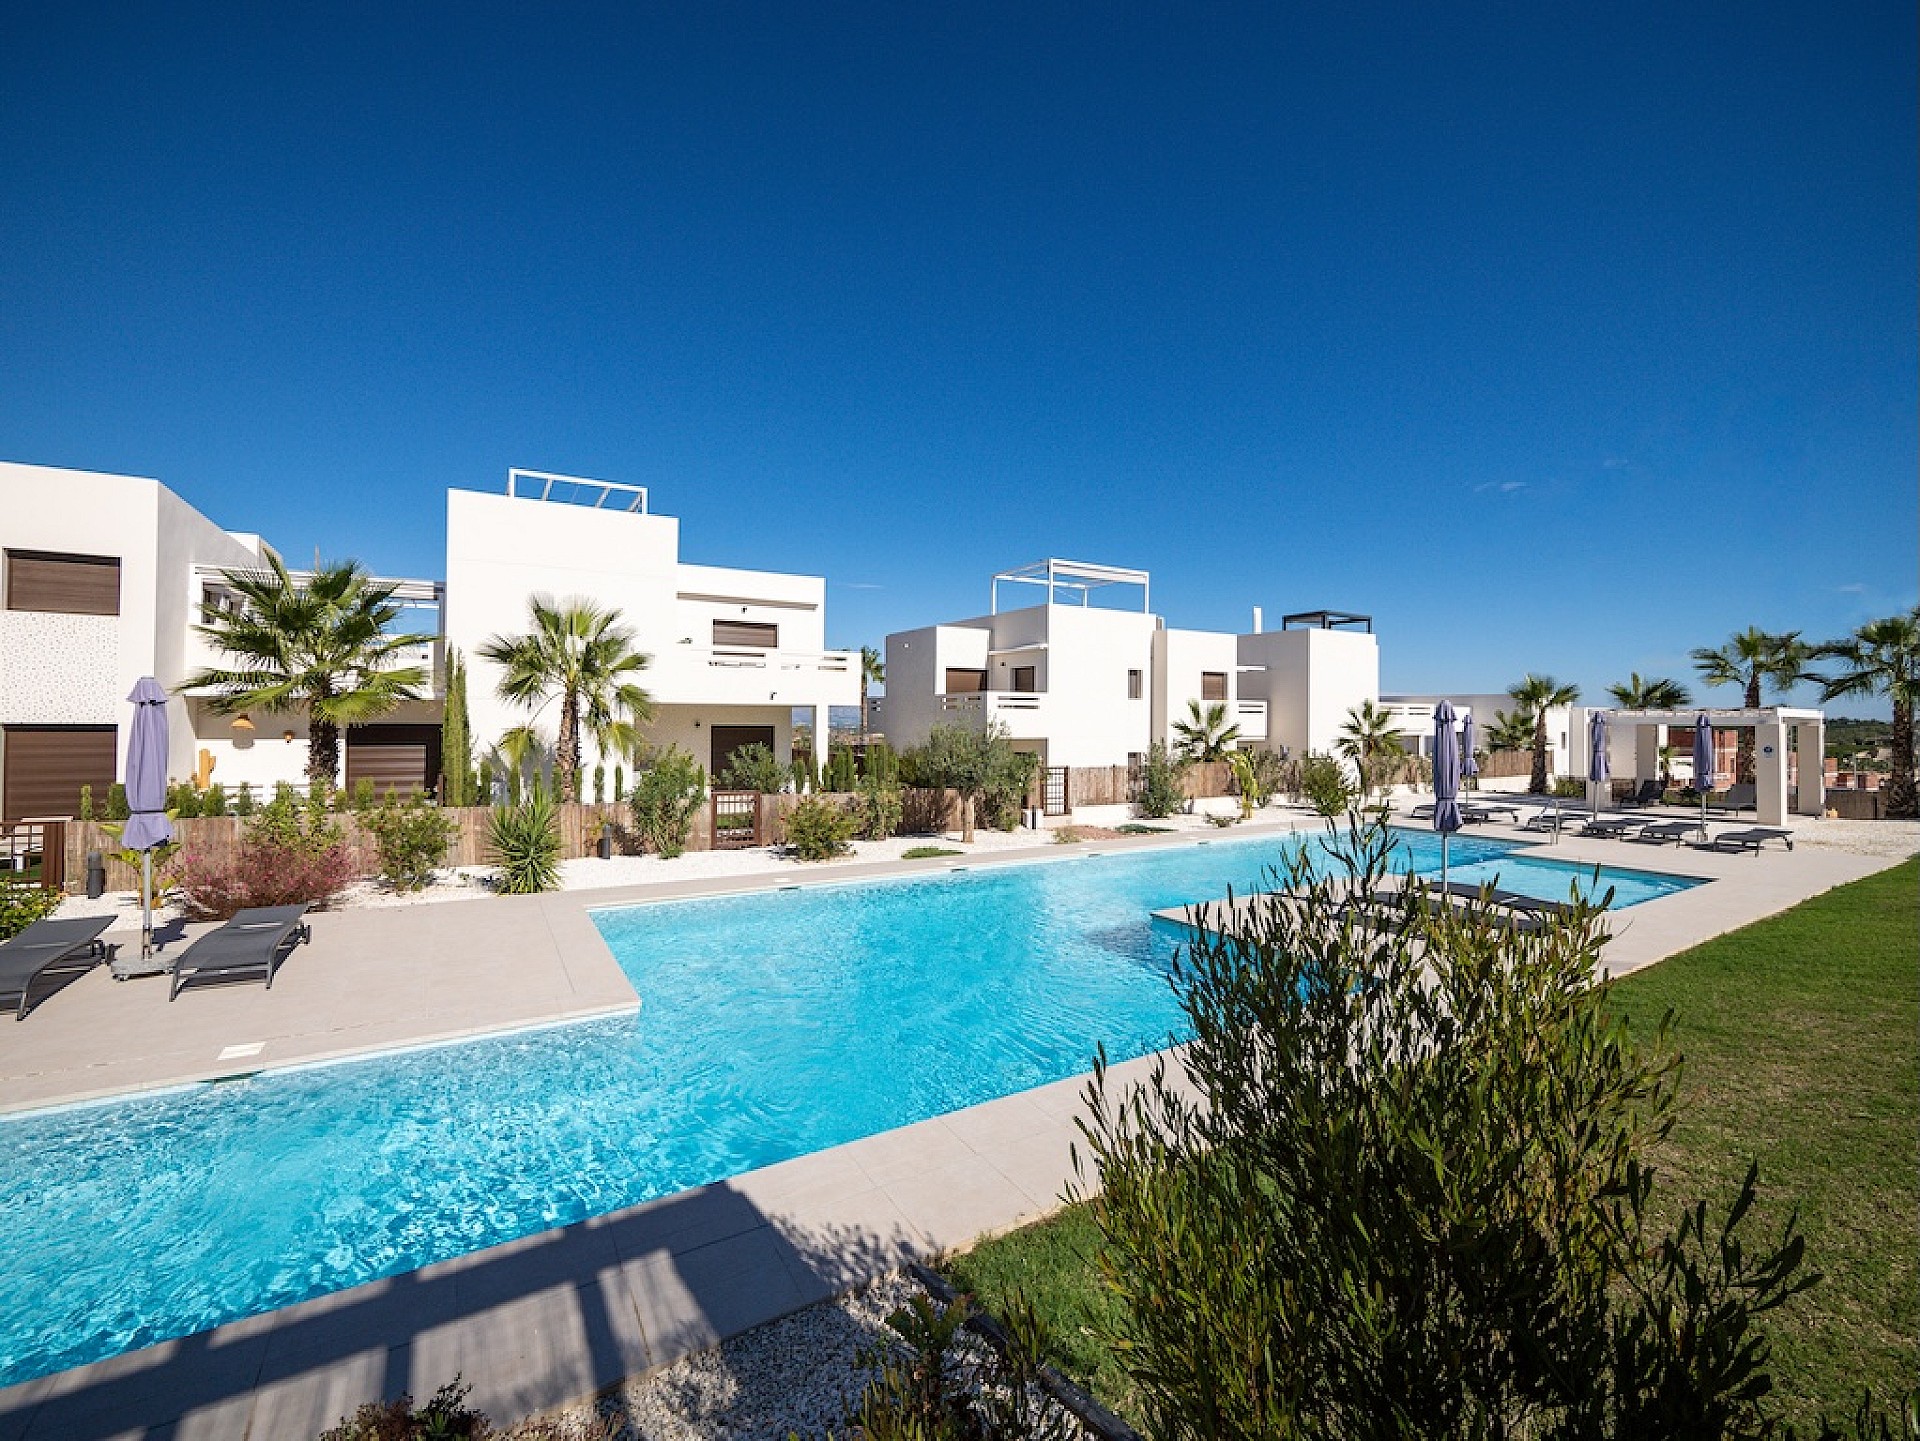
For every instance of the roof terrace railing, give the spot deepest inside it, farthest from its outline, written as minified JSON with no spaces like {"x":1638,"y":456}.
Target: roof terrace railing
{"x":576,"y":490}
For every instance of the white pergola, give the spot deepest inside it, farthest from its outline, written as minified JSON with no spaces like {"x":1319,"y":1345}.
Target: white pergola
{"x":1770,"y":725}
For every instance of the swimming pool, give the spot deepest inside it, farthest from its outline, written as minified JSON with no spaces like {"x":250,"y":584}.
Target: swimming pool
{"x":772,"y":1024}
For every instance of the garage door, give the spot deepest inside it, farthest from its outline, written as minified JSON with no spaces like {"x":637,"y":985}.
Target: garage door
{"x":396,"y":758}
{"x":47,"y":765}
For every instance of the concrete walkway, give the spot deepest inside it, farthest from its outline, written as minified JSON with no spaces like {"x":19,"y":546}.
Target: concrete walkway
{"x":558,"y":1316}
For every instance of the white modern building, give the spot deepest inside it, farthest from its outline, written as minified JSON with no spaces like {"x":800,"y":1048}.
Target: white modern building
{"x":1415,"y":714}
{"x":100,"y":579}
{"x":105,"y":576}
{"x":731,"y":653}
{"x":1090,"y":676}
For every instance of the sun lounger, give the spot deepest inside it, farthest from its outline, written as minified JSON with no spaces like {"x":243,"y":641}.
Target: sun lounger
{"x":47,"y":948}
{"x":1753,"y":838}
{"x":1733,"y":800}
{"x":1613,"y":828}
{"x":248,"y":947}
{"x":1660,"y":832}
{"x":1647,"y":793}
{"x":1478,"y":812}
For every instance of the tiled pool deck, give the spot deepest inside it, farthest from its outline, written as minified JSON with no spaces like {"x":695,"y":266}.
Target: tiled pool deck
{"x":557,"y":1316}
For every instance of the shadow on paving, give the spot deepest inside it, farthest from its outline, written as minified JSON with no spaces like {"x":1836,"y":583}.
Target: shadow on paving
{"x":532,"y":1324}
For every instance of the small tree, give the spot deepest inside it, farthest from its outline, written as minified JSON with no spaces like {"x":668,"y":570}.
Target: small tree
{"x":972,"y":762}
{"x":410,"y":838}
{"x":1370,"y":739}
{"x":1324,"y":785}
{"x":1402,"y":1189}
{"x":1535,"y":695}
{"x":818,"y":829}
{"x":667,"y":795}
{"x":456,"y":736}
{"x":1161,"y":791}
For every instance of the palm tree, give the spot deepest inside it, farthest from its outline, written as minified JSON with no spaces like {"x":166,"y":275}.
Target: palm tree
{"x":1750,"y":658}
{"x":581,"y":656}
{"x":873,"y":671}
{"x":1205,"y":735}
{"x":1535,"y":695}
{"x":1656,"y":694}
{"x":318,"y":645}
{"x":1882,"y":657}
{"x":1509,"y":732}
{"x":1369,"y":737}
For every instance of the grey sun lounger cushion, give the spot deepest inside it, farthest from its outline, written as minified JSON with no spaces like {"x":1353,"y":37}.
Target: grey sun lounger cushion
{"x":1750,"y":839}
{"x":48,"y":947}
{"x":248,"y":947}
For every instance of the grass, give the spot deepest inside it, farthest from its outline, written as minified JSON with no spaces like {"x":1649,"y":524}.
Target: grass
{"x":927,"y":853}
{"x":1798,"y":1035}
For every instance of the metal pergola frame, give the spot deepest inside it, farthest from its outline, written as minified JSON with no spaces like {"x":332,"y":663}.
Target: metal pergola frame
{"x":1073,"y":576}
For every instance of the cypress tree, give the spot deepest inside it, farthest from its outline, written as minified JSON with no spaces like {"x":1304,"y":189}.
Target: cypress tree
{"x":456,"y":743}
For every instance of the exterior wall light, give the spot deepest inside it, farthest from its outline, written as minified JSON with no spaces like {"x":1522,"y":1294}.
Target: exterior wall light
{"x":243,"y":722}
{"x":287,"y":736}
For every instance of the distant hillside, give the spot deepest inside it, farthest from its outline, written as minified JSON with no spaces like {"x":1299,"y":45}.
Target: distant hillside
{"x":1846,"y":736}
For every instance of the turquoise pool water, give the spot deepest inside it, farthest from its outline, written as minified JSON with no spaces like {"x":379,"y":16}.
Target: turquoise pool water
{"x":772,"y":1025}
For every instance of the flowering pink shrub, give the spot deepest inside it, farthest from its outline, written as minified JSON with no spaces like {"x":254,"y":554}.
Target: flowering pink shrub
{"x":262,"y":875}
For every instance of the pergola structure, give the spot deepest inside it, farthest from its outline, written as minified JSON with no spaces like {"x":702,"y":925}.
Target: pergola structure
{"x":1770,"y":725}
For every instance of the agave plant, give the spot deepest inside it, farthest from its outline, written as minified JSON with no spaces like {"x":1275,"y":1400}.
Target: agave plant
{"x":525,"y":840}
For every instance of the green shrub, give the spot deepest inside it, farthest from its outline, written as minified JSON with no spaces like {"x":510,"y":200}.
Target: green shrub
{"x":243,"y":803}
{"x":880,"y":806}
{"x":619,"y":786}
{"x":117,"y":802}
{"x":599,"y":785}
{"x":667,"y":796}
{"x":982,"y":765}
{"x":1569,"y":787}
{"x":842,"y":774}
{"x":214,"y":802}
{"x":363,"y":798}
{"x":1397,"y":1185}
{"x":86,"y":803}
{"x":410,"y":839}
{"x":805,"y":777}
{"x":819,"y":829}
{"x":754,"y":768}
{"x":183,"y":801}
{"x":1005,"y":797}
{"x":1160,"y":789}
{"x":446,"y":1417}
{"x":1324,"y":784}
{"x":927,"y":853}
{"x":1134,"y":828}
{"x":22,"y":905}
{"x":293,"y":851}
{"x":525,"y":841}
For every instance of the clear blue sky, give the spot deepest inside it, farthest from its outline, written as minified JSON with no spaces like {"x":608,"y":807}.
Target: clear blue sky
{"x":1562,"y":338}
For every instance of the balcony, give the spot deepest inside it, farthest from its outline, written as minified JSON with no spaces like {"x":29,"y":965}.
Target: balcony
{"x":742,"y":675}
{"x":1022,"y":712}
{"x":1251,"y":717}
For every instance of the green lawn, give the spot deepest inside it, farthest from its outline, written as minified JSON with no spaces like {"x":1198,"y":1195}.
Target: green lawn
{"x":1802,"y":1043}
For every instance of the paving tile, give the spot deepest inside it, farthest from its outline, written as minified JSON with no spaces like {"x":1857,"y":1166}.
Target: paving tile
{"x":537,"y":1352}
{"x":564,"y":1256}
{"x":986,"y":1128}
{"x":17,"y":1405}
{"x":953,"y":1204}
{"x":896,"y":1155}
{"x":154,"y":1385}
{"x":377,"y":1315}
{"x":303,"y":1403}
{"x":689,"y":1301}
{"x":683,"y":1222}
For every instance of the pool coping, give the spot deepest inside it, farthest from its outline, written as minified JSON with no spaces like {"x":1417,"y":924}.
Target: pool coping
{"x":555,"y":1317}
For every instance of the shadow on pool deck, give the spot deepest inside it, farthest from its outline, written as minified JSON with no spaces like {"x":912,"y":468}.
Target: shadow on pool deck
{"x":532,"y":1324}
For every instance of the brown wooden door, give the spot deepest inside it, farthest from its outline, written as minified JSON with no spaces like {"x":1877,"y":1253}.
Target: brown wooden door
{"x":47,"y":765}
{"x":728,"y":739}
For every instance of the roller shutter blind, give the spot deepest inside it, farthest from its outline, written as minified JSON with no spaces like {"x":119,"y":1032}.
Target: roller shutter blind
{"x":67,"y":584}
{"x":47,"y":765}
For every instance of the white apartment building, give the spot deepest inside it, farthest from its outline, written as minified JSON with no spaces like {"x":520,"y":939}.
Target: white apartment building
{"x":732,"y":653}
{"x":1565,"y":742}
{"x":1082,"y":681}
{"x":104,"y":577}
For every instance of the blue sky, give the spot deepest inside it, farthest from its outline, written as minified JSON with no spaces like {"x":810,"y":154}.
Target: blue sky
{"x":1556,"y":338}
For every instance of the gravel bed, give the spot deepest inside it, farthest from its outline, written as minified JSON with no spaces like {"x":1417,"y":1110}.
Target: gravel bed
{"x":798,"y":1375}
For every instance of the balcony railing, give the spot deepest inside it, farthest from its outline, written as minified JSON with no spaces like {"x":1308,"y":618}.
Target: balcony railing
{"x":1251,"y":717}
{"x":832,"y":662}
{"x":1022,"y":712}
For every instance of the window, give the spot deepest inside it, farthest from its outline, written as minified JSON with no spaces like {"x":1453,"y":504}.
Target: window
{"x":754,"y":635}
{"x":1213,"y":685}
{"x":965,"y":682}
{"x":1133,"y":685}
{"x":1023,"y":678}
{"x":69,"y":584}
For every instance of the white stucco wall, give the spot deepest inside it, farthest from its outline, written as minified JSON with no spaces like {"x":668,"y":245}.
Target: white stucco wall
{"x":501,"y":550}
{"x":78,"y":670}
{"x":1311,"y":678}
{"x":1180,"y":658}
